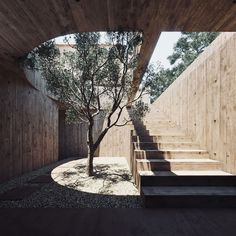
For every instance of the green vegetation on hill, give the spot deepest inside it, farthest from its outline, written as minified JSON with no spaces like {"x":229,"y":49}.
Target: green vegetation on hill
{"x":186,"y":50}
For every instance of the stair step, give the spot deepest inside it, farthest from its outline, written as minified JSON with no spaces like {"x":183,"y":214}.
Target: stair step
{"x":146,"y":138}
{"x":161,"y":123}
{"x":177,"y":164}
{"x":142,"y":132}
{"x":164,"y":138}
{"x":152,"y":118}
{"x":187,"y":180}
{"x":173,"y":138}
{"x":189,"y":190}
{"x":165,"y":145}
{"x":145,"y":145}
{"x":161,"y":133}
{"x":164,"y":129}
{"x":155,"y":121}
{"x":170,"y":154}
{"x":185,"y":172}
{"x":189,"y":196}
{"x":171,"y":170}
{"x":178,"y":145}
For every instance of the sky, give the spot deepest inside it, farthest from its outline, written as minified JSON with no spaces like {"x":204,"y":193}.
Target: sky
{"x":163,"y":49}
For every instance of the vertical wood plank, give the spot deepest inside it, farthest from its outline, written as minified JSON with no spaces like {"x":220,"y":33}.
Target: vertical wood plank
{"x":208,"y":100}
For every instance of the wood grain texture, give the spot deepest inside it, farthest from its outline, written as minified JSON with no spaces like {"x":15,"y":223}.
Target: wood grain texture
{"x":28,"y":127}
{"x":26,"y":24}
{"x":117,"y":142}
{"x":205,"y":94}
{"x":73,"y":137}
{"x":29,"y":119}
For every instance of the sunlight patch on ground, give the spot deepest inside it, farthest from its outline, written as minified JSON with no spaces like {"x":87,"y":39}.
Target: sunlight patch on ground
{"x":112,"y":176}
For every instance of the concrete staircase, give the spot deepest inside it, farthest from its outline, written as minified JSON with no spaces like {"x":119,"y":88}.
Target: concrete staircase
{"x":171,"y":170}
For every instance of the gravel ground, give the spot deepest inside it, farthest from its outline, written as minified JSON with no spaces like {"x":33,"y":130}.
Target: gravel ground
{"x":111,"y":187}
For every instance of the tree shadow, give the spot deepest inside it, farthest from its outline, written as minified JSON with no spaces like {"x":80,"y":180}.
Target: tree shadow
{"x":73,"y":194}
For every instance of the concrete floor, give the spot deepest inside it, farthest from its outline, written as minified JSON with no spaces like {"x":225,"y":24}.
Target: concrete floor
{"x":122,"y":222}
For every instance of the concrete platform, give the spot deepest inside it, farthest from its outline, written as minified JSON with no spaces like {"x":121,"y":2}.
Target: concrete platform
{"x":184,"y":172}
{"x":189,"y":191}
{"x":189,"y":196}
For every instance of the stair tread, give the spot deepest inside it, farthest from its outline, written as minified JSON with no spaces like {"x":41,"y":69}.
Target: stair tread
{"x":185,"y":173}
{"x":161,"y":142}
{"x":189,"y":190}
{"x":172,"y":150}
{"x":177,"y":160}
{"x":158,"y":135}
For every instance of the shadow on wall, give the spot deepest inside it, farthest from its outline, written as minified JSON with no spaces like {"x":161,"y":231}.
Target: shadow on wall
{"x":73,"y":137}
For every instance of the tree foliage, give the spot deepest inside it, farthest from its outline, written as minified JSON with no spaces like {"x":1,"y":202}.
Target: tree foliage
{"x":93,"y":80}
{"x":43,"y":54}
{"x":186,"y":50}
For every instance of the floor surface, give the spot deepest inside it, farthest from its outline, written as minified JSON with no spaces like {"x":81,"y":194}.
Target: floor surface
{"x":120,"y":222}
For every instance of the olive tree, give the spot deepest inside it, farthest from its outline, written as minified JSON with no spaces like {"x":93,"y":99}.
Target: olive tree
{"x":92,"y":79}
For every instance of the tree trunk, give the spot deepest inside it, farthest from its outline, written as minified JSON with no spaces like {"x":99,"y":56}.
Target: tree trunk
{"x":91,"y":149}
{"x":90,"y":171}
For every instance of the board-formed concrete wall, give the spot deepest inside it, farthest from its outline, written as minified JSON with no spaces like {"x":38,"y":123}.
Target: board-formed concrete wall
{"x":28,"y":126}
{"x":73,"y":137}
{"x":117,"y":142}
{"x":202,"y":100}
{"x":33,"y":132}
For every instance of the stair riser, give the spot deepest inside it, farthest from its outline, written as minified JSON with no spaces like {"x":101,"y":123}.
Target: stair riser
{"x":142,"y":132}
{"x":155,"y":132}
{"x":170,"y":138}
{"x":166,"y":133}
{"x":160,"y":139}
{"x":144,"y":139}
{"x":189,"y":201}
{"x":169,"y":155}
{"x":156,"y":121}
{"x":142,"y":128}
{"x":174,"y":146}
{"x":143,"y":146}
{"x":151,"y":118}
{"x":188,"y":180}
{"x":163,"y":129}
{"x":153,"y":166}
{"x":178,"y":146}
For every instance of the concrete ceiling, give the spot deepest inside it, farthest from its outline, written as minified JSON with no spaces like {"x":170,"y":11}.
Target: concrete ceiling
{"x":24,"y":24}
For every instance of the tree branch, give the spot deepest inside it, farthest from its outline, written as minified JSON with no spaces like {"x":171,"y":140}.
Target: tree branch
{"x":123,"y":123}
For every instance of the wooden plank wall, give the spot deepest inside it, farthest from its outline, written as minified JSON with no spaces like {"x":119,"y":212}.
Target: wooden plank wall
{"x":117,"y":142}
{"x":28,"y":127}
{"x":68,"y":133}
{"x":203,"y":100}
{"x":73,"y":137}
{"x":39,"y":83}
